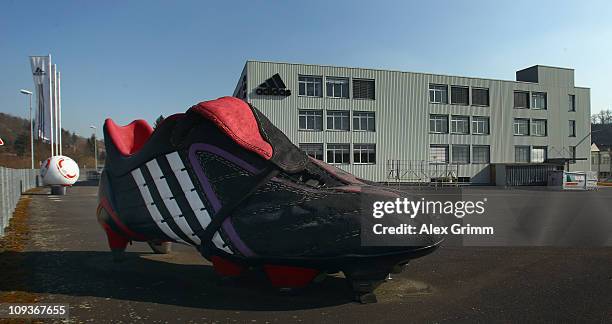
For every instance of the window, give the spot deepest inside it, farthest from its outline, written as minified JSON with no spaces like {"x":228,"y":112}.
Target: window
{"x":572,"y":103}
{"x":460,"y":124}
{"x":538,"y":100}
{"x":480,"y":125}
{"x":364,"y":153}
{"x":481,"y":154}
{"x":538,"y":127}
{"x":521,"y":154}
{"x":338,"y":120}
{"x":310,"y":86}
{"x":311,"y":120}
{"x":337,"y":87}
{"x":572,"y":151}
{"x":521,"y":99}
{"x":438,"y":124}
{"x":461,"y":154}
{"x":364,"y":121}
{"x":438,"y":154}
{"x":572,"y":128}
{"x":338,"y":153}
{"x":363,"y":89}
{"x":438,"y":93}
{"x":538,"y":154}
{"x":480,"y":96}
{"x":521,"y":126}
{"x":314,"y":150}
{"x":460,"y":95}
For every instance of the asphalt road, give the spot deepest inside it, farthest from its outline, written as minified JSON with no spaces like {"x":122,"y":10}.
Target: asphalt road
{"x":66,"y":261}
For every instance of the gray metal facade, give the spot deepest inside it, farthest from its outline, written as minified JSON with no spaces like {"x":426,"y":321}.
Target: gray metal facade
{"x":402,"y":111}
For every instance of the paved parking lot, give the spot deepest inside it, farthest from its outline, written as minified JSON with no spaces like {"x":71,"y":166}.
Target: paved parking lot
{"x":66,"y":260}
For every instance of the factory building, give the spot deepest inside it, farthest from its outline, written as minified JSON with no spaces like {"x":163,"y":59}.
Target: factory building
{"x":384,"y":125}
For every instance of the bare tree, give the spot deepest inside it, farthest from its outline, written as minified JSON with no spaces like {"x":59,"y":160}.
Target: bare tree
{"x":602,"y":117}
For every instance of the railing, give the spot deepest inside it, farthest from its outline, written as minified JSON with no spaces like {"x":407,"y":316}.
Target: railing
{"x":419,"y":171}
{"x":13,"y":182}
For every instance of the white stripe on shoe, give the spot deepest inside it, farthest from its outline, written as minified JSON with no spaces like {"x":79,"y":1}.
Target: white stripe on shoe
{"x":196,"y":204}
{"x":168,"y":198}
{"x":153,"y":211}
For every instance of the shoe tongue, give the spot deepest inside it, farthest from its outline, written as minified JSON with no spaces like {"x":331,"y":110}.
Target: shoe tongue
{"x":250,"y":129}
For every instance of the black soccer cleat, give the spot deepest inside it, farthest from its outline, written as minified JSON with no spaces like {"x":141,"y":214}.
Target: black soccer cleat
{"x":222,"y":178}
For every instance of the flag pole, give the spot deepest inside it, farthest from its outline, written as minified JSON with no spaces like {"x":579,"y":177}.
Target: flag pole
{"x":50,"y":106}
{"x":59,"y":109}
{"x":55,"y":133}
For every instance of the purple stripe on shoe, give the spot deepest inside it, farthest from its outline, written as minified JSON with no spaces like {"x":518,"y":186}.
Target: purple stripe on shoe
{"x":210,"y":194}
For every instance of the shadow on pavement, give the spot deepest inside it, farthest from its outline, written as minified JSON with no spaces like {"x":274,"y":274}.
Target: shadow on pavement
{"x":86,"y":183}
{"x":149,"y":278}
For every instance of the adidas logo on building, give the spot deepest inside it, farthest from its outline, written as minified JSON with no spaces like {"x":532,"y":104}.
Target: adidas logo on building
{"x":274,"y":86}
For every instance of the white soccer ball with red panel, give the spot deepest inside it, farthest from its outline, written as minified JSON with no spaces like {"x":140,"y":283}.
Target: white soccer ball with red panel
{"x":59,"y":171}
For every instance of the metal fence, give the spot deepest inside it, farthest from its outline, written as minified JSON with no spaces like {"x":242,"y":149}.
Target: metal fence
{"x":412,"y":171}
{"x":13,"y":182}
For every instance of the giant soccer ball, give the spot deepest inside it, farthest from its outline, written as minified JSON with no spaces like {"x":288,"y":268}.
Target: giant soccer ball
{"x":59,"y":170}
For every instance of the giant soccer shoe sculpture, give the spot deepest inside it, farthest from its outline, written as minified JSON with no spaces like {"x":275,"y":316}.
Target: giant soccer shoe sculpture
{"x":222,"y":178}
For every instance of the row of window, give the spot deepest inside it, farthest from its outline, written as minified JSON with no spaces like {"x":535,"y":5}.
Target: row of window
{"x":460,"y":154}
{"x":340,"y":120}
{"x":460,"y":95}
{"x":438,"y":124}
{"x":336,"y":87}
{"x":538,"y":127}
{"x":340,"y":153}
{"x":538,"y":100}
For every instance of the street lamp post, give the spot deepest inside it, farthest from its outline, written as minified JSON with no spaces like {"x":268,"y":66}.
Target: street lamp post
{"x":95,"y":146}
{"x":29,"y":93}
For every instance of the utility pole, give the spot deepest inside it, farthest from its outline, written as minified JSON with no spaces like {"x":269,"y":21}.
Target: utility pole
{"x":95,"y":147}
{"x":29,"y":93}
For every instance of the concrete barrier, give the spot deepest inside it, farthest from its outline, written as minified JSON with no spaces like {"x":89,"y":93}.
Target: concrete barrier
{"x":13,"y":182}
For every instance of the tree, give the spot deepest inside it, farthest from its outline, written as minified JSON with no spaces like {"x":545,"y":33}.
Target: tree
{"x":90,"y":144}
{"x":158,"y":121}
{"x":20,"y":144}
{"x":602,"y":117}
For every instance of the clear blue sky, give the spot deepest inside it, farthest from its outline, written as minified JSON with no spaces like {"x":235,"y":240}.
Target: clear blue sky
{"x":140,"y":59}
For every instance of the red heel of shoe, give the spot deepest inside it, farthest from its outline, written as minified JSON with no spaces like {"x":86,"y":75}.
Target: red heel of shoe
{"x":225,"y":267}
{"x":116,"y":242}
{"x":287,"y":277}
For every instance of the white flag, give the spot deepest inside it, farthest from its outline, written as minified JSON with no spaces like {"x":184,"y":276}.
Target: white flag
{"x":41,"y":73}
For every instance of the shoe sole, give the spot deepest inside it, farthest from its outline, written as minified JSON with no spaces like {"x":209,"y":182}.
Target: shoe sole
{"x":363,"y":272}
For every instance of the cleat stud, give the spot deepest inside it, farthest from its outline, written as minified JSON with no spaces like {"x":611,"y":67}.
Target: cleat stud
{"x":289,"y":277}
{"x":160,"y":247}
{"x":116,"y":242}
{"x":226,"y":268}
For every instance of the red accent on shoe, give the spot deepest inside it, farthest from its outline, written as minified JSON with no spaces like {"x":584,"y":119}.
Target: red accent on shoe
{"x":225,"y":267}
{"x":132,"y":235}
{"x":115,"y":241}
{"x":130,"y":138}
{"x":290,"y":277}
{"x":236,"y":119}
